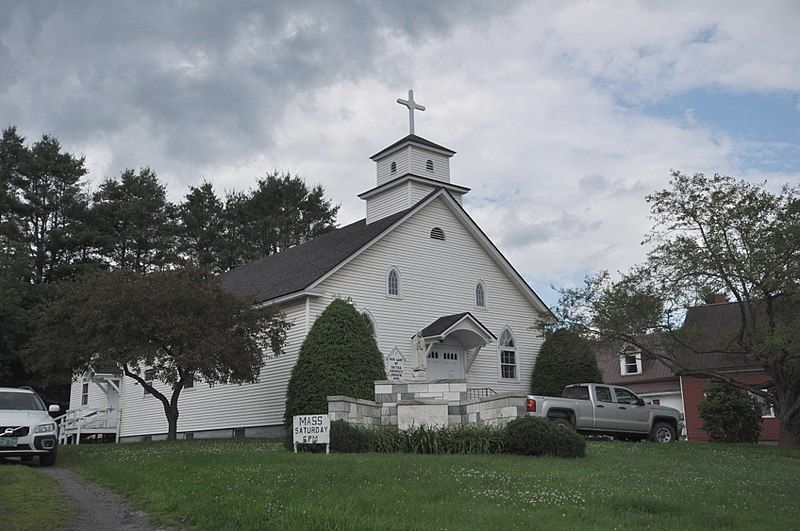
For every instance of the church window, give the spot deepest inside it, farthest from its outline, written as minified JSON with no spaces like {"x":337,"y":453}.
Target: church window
{"x":437,"y":233}
{"x":508,"y":356}
{"x":393,"y":283}
{"x":394,"y":167}
{"x":480,"y":295}
{"x":370,"y":323}
{"x":84,"y":393}
{"x":149,"y":376}
{"x":429,"y":165}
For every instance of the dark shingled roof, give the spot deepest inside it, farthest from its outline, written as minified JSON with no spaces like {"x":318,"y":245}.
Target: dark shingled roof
{"x":298,"y":267}
{"x":711,"y":329}
{"x":442,"y":323}
{"x":412,"y":138}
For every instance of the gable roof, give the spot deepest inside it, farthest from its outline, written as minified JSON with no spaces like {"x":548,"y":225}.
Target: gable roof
{"x":412,"y":138}
{"x":441,"y":325}
{"x":476,"y":231}
{"x":304,"y":266}
{"x":298,"y":267}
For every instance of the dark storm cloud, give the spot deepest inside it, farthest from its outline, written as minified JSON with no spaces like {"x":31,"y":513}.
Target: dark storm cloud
{"x":203,"y":79}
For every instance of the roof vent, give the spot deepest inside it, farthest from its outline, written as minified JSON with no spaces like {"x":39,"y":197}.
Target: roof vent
{"x":437,"y":233}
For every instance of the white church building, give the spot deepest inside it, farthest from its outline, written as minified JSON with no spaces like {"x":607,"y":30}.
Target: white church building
{"x":416,"y":266}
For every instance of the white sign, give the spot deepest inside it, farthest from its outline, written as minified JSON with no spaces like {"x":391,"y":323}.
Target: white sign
{"x":396,"y":364}
{"x":311,"y":429}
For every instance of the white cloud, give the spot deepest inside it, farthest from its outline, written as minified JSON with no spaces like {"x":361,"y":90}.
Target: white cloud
{"x":540,"y":103}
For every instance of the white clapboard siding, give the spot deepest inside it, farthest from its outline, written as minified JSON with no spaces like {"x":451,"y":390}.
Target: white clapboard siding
{"x":220,"y":406}
{"x":97,"y":397}
{"x":387,"y":203}
{"x":384,"y":166}
{"x":437,"y":278}
{"x":418,"y":162}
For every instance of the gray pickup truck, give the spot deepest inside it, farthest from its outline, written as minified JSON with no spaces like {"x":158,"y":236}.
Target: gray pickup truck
{"x":599,"y":409}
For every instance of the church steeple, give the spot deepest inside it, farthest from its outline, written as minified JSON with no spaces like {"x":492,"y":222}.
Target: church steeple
{"x":408,"y":170}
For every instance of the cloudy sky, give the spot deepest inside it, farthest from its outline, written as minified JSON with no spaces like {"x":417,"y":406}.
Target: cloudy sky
{"x":563,"y":115}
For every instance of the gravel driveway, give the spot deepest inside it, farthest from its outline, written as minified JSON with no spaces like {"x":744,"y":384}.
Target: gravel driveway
{"x":96,"y":507}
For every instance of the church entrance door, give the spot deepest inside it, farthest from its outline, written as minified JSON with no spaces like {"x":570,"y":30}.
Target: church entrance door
{"x":445,"y":363}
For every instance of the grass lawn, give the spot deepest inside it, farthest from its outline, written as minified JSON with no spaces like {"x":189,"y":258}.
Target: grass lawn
{"x":28,"y":499}
{"x":255,"y":483}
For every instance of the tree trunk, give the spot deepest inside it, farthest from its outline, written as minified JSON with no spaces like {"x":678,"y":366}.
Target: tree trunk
{"x":172,"y":422}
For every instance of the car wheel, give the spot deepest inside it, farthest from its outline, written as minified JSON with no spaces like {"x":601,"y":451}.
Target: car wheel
{"x":48,"y":459}
{"x":662,"y":433}
{"x":562,"y":421}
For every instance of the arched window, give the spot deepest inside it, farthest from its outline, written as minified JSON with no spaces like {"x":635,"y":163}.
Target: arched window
{"x":437,"y":233}
{"x":393,"y":283}
{"x":480,"y":295}
{"x":373,"y":329}
{"x":429,"y":165}
{"x":394,"y":167}
{"x":508,"y":355}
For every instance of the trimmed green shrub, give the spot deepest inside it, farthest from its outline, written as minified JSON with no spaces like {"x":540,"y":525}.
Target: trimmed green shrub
{"x":730,"y":415}
{"x":347,"y":438}
{"x":565,"y":358}
{"x":540,"y":436}
{"x":338,"y":357}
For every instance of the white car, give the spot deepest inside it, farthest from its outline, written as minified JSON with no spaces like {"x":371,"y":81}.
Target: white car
{"x":26,"y":427}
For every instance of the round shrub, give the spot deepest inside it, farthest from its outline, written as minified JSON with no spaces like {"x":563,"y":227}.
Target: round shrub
{"x":338,"y":357}
{"x":730,"y":415}
{"x":346,"y":438}
{"x":540,"y":436}
{"x":565,"y":358}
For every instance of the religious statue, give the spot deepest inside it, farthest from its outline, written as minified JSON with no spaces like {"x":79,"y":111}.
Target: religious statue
{"x":419,"y":349}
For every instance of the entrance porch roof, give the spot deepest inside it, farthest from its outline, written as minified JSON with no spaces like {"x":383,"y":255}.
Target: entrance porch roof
{"x":464,"y":327}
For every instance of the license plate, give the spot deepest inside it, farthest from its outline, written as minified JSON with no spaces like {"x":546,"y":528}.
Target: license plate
{"x":8,"y":441}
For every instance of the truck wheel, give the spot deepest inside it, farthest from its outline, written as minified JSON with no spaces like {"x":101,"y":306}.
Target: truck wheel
{"x":48,"y":459}
{"x":662,"y":433}
{"x":562,"y":421}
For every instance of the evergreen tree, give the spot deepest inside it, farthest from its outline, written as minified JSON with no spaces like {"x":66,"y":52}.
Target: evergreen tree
{"x":338,"y":357}
{"x":201,"y":228}
{"x":565,"y":358}
{"x":136,"y":222}
{"x":281,"y":212}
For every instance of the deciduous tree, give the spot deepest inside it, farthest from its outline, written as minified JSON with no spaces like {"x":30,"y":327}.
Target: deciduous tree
{"x":179,"y":323}
{"x":710,"y":234}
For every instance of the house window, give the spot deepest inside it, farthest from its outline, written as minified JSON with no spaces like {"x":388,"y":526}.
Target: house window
{"x":393,"y":283}
{"x":656,"y":402}
{"x":84,"y":393}
{"x":437,"y":233}
{"x":394,"y":167}
{"x":630,"y":362}
{"x":480,"y":296}
{"x":189,"y":383}
{"x":429,"y":165}
{"x":238,"y":433}
{"x":767,"y":409}
{"x":508,"y":356}
{"x":149,"y":377}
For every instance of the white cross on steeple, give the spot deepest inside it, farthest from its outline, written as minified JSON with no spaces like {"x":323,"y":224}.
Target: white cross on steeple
{"x":412,"y":106}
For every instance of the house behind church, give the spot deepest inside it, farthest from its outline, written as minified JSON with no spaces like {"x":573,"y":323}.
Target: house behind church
{"x":417,"y":263}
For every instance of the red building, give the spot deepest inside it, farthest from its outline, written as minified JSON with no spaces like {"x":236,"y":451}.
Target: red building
{"x":709,"y":326}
